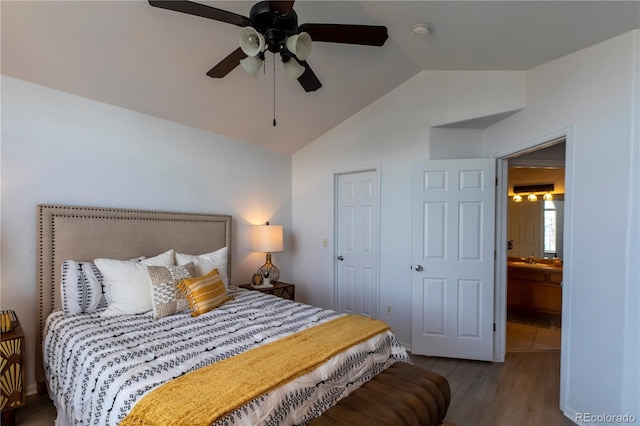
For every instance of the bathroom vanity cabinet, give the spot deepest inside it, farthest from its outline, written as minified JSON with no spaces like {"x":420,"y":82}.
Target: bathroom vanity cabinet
{"x":535,"y":289}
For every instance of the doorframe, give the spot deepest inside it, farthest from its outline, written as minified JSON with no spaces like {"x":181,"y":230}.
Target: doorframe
{"x":377,"y":167}
{"x":500,"y":305}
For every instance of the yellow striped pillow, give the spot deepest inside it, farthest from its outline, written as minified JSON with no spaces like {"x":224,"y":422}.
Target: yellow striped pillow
{"x":204,"y":293}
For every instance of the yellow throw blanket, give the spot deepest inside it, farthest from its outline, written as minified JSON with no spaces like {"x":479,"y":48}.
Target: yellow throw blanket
{"x":202,"y":396}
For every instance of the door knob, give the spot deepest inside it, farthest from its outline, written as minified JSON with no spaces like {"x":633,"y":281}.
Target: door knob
{"x":341,"y":258}
{"x":419,"y":268}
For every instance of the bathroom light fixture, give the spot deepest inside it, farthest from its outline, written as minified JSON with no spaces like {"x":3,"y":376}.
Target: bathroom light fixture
{"x":546,"y":188}
{"x":517,"y":198}
{"x":548,"y":197}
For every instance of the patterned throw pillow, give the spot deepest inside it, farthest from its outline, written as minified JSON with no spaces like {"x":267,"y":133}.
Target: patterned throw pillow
{"x":81,"y":287}
{"x":167,"y":299}
{"x":204,"y":293}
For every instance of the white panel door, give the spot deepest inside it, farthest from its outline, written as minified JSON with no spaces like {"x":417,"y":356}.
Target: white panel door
{"x":524,"y":228}
{"x":357,"y":243}
{"x":453,"y":258}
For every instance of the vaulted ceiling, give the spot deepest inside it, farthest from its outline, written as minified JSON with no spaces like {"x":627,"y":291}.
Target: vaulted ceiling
{"x":154,"y":61}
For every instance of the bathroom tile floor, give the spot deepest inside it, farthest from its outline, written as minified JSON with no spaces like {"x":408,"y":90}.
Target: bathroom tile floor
{"x":529,"y":338}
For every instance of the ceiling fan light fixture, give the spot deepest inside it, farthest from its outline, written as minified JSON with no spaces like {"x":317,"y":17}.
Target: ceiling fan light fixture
{"x":252,"y":64}
{"x":293,"y":69}
{"x":251,"y":41}
{"x":268,"y":27}
{"x":300,"y":45}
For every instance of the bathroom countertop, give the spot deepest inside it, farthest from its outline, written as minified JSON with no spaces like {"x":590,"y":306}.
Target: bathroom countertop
{"x":539,"y":264}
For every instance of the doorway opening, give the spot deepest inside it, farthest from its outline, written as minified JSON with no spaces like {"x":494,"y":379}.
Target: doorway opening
{"x":533,"y":153}
{"x":565,"y":136}
{"x":535,"y":218}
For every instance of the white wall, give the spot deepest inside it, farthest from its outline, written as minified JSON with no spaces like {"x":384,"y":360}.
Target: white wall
{"x":445,"y":143}
{"x":57,"y":148}
{"x":63,"y":149}
{"x":595,"y":92}
{"x":391,"y":132}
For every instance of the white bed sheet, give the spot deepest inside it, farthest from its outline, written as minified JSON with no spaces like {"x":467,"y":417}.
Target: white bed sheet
{"x":98,"y":368}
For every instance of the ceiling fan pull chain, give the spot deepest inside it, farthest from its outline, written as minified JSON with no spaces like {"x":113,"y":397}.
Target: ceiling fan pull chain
{"x":274,"y":90}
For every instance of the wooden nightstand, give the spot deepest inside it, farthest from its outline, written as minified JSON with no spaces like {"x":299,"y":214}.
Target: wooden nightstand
{"x":14,"y":391}
{"x":280,"y":289}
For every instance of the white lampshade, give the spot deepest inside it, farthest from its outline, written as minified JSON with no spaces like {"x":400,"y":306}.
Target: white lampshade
{"x":517,"y":198}
{"x":293,"y":69}
{"x":268,"y":238}
{"x":251,"y":41}
{"x":300,"y":45}
{"x":252,"y":64}
{"x":532,"y":197}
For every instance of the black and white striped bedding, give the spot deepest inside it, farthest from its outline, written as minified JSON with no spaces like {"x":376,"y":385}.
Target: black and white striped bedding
{"x":97,"y":368}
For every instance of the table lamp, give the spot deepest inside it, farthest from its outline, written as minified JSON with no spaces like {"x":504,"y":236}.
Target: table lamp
{"x":268,"y":239}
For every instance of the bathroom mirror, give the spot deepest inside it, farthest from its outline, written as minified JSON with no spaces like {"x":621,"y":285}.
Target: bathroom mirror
{"x":535,"y":227}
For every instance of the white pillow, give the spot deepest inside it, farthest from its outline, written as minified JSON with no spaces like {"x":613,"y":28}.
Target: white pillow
{"x":205,"y":263}
{"x":128,"y":283}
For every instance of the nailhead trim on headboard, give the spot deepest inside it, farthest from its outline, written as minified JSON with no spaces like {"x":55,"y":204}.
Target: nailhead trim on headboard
{"x":46,"y":235}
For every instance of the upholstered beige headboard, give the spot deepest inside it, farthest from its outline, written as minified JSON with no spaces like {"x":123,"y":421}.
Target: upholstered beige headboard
{"x":86,"y":233}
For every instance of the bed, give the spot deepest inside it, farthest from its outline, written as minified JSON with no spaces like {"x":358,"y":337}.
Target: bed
{"x":104,"y":370}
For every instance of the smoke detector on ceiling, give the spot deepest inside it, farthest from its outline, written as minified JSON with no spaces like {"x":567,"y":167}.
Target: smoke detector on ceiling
{"x":421,"y":30}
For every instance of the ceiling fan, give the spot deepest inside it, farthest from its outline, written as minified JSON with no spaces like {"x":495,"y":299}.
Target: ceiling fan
{"x":273,"y":26}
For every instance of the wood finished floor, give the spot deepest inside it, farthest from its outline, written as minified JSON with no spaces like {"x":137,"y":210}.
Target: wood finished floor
{"x":529,"y":338}
{"x":522,"y":391}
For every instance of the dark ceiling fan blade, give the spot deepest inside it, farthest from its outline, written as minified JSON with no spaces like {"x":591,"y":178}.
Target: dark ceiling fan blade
{"x":282,"y":7}
{"x":370,"y":35}
{"x":227,"y":65}
{"x":308,"y":79}
{"x":198,"y":9}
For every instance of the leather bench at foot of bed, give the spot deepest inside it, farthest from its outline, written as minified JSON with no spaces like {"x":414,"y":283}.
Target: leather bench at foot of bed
{"x":403,"y":394}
